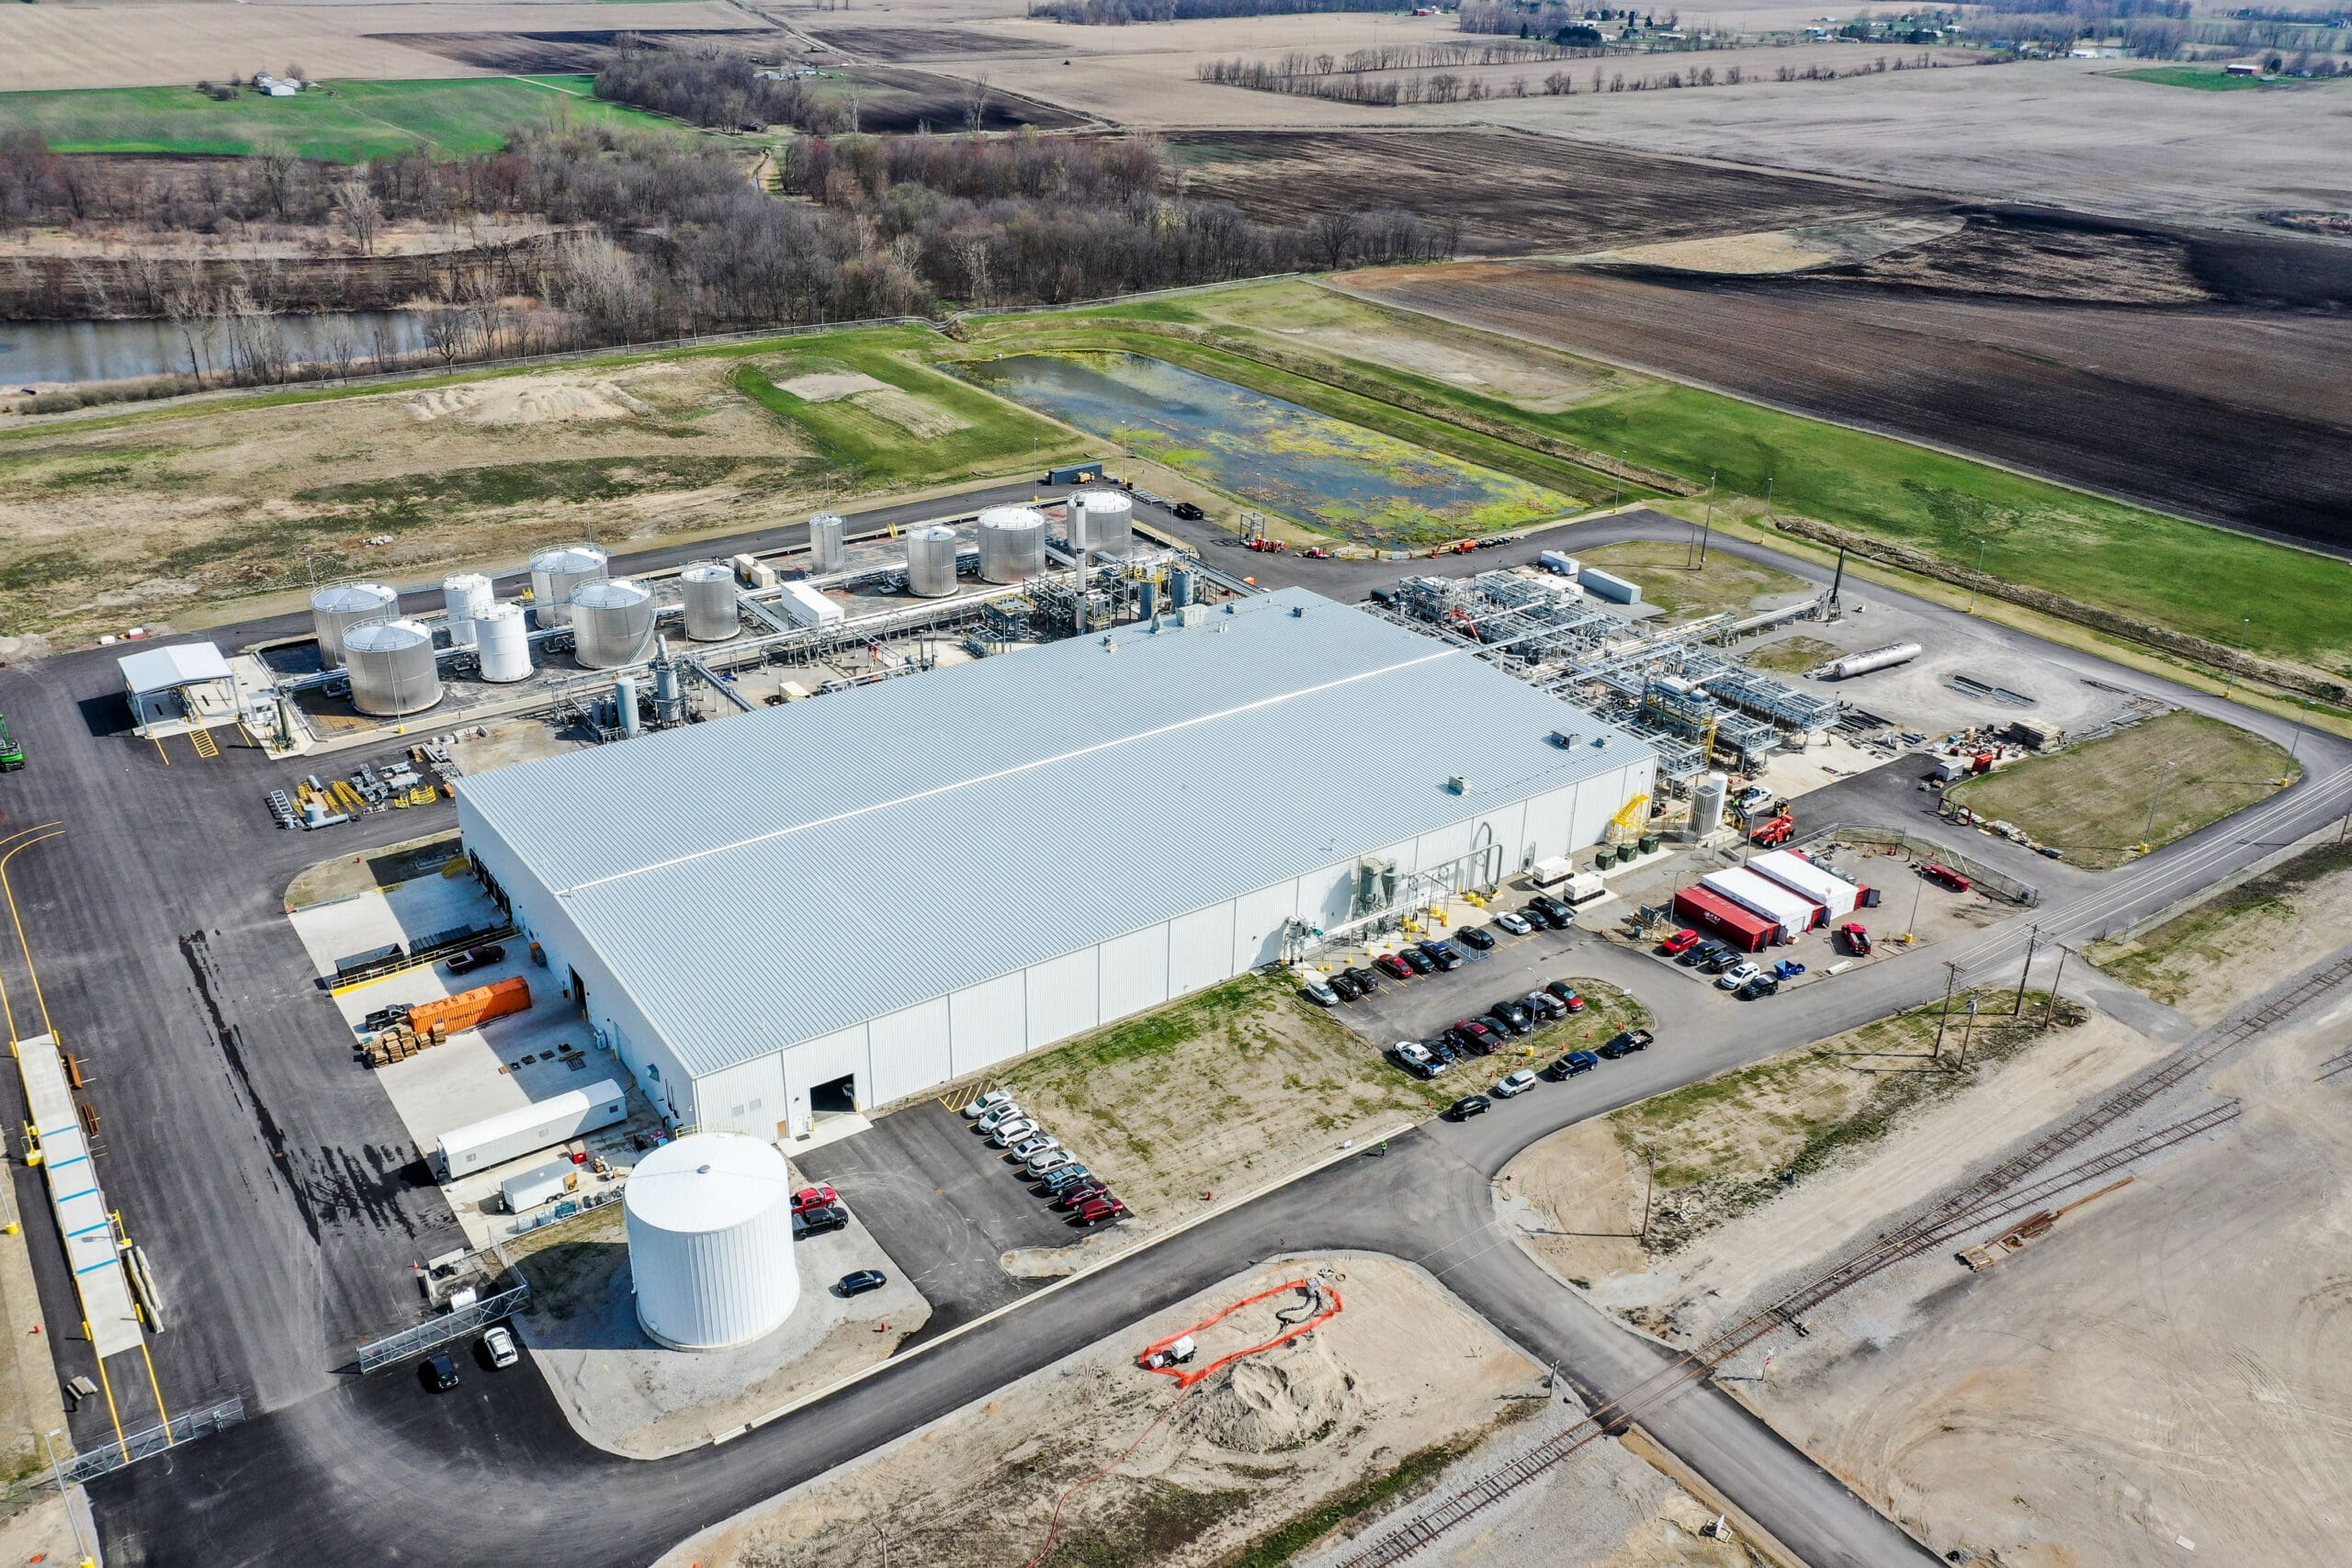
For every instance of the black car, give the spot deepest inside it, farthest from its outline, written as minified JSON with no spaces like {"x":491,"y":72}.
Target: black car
{"x":1515,"y":1013}
{"x":1722,"y":961}
{"x":1366,"y":981}
{"x":441,"y":1371}
{"x":819,"y":1222}
{"x":1762,"y":985}
{"x":1475,"y":938}
{"x":1345,"y":984}
{"x":1475,"y":1037}
{"x":1500,"y":1027}
{"x":1560,"y":915}
{"x":1188,"y":512}
{"x":1626,"y":1044}
{"x":1705,"y":953}
{"x":1437,"y":952}
{"x":1444,"y":1050}
{"x":1572,"y":1064}
{"x":1419,"y":962}
{"x":1469,"y":1105}
{"x":1539,"y":917}
{"x":859,"y":1281}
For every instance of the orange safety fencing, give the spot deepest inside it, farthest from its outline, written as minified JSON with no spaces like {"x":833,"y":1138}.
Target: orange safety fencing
{"x":1186,"y":1378}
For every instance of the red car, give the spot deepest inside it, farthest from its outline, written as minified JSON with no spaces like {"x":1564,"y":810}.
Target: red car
{"x":1945,"y":874}
{"x":1080,"y":1196}
{"x":1570,"y":997}
{"x":1858,"y":941}
{"x":1681,"y":941}
{"x":812,"y":1198}
{"x":1100,"y":1210}
{"x":1389,"y":963}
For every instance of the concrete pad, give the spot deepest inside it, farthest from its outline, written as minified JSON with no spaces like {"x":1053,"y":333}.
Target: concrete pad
{"x":403,"y":913}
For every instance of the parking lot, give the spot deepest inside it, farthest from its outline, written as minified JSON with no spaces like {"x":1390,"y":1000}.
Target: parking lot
{"x":1419,"y":1007}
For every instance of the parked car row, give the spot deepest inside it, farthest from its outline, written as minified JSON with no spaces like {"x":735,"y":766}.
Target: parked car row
{"x":1482,"y":1035}
{"x":1512,"y":1085}
{"x":1733,"y":971}
{"x":1541,"y":912}
{"x":1066,"y":1184}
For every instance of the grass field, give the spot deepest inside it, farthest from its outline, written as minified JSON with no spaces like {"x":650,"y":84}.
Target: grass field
{"x":2154,"y":783}
{"x":1726,"y":583}
{"x":344,"y":122}
{"x":2207,"y":79}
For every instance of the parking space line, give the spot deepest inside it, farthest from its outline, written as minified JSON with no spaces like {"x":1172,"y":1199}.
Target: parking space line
{"x":113,"y":1413}
{"x":161,"y":1409}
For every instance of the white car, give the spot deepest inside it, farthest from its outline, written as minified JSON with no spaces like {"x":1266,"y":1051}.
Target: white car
{"x":1736,"y":976}
{"x":991,"y":1119}
{"x":1035,"y":1146}
{"x":1046,"y":1160}
{"x":1413,"y":1054}
{"x":1010,"y":1132}
{"x":501,"y":1346}
{"x":1519,"y":1082}
{"x":1514,"y":924}
{"x":986,"y":1103}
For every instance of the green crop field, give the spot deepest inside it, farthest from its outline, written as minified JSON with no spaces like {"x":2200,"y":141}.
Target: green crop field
{"x":2207,"y":79}
{"x":344,"y":122}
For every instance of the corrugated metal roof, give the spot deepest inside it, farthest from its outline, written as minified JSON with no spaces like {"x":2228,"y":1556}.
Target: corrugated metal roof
{"x":768,"y":878}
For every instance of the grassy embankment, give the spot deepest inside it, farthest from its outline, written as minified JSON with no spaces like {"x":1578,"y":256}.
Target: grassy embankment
{"x":2210,"y":79}
{"x":2151,"y":783}
{"x":2200,"y":959}
{"x":1726,"y":584}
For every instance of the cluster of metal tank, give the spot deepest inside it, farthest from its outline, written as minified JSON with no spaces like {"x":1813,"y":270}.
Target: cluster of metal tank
{"x":335,"y":611}
{"x":611,"y":623}
{"x":391,"y":667}
{"x":1012,"y":543}
{"x":712,"y":600}
{"x":931,"y":562}
{"x":558,"y":574}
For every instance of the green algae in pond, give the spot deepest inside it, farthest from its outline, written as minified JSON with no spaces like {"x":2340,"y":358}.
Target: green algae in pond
{"x":1339,"y":477}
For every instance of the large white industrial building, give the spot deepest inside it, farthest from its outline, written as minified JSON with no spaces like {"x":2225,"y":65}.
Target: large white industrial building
{"x":847,"y":901}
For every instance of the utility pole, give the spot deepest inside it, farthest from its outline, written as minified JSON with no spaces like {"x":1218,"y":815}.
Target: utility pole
{"x":2237,"y":668}
{"x":1649,"y":1190}
{"x":2050,"y":1012}
{"x":2149,"y":835}
{"x":1707,"y":531}
{"x":1951,"y":978}
{"x":1918,"y":889}
{"x":1978,"y":579}
{"x":1967,"y":1033}
{"x":2031,"y":941}
{"x":2300,"y":719}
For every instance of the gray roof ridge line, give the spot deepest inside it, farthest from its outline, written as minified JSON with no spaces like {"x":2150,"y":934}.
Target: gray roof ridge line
{"x":1019,"y":768}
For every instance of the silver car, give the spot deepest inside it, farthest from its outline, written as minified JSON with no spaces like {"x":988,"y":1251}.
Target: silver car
{"x":1010,"y":1132}
{"x":1035,"y":1146}
{"x":1047,"y":1160}
{"x":990,"y":1120}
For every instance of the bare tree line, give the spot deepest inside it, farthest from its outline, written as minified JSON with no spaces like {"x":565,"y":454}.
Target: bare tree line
{"x":1444,"y":87}
{"x":1117,"y":13}
{"x":708,"y":86}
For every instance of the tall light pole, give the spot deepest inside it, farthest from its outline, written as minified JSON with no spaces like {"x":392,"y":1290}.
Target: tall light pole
{"x":2031,"y":941}
{"x":1978,"y":579}
{"x":2300,"y":719}
{"x":2148,"y":836}
{"x":48,"y":1442}
{"x":1708,"y":531}
{"x":2245,"y":631}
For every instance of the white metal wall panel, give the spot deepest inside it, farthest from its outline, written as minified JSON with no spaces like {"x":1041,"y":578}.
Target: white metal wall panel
{"x":1328,"y":893}
{"x":1200,"y":949}
{"x":1257,"y":920}
{"x":842,"y":1054}
{"x":1063,"y":998}
{"x":1435,"y":849}
{"x":988,"y":1023}
{"x":1135,"y":972}
{"x":907,"y":1050}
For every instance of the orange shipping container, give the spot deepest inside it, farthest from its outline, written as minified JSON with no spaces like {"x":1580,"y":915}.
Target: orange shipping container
{"x":468,"y":1009}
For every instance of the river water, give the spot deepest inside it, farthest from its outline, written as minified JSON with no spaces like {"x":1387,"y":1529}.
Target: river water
{"x":1326,"y":472}
{"x":35,"y":352}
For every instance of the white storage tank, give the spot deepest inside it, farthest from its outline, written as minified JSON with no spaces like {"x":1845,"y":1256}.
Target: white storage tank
{"x":556,"y":574}
{"x":1884,"y":658}
{"x":710,"y":1222}
{"x":1707,"y":804}
{"x":827,"y":543}
{"x":503,"y":643}
{"x":467,"y":596}
{"x":1012,"y":543}
{"x":611,"y":623}
{"x":334,"y":610}
{"x":931,"y":562}
{"x":1107,"y":523}
{"x":391,"y":667}
{"x":710,"y":595}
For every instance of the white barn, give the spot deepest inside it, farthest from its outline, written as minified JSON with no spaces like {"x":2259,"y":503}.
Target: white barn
{"x":849,"y":901}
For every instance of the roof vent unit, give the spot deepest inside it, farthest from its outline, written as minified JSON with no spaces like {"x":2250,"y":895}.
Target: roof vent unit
{"x":1110,"y":645}
{"x":1564,"y":738}
{"x":1297,"y":610}
{"x":1458,"y":784}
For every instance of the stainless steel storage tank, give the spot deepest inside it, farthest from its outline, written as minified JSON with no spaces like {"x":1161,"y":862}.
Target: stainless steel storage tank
{"x":1108,"y":523}
{"x":503,"y":643}
{"x":931,"y":562}
{"x":1012,"y":543}
{"x":334,"y":610}
{"x":709,"y":1224}
{"x":1179,"y":587}
{"x":611,"y":623}
{"x":710,"y":593}
{"x":827,"y":543}
{"x":1863,"y":664}
{"x":1707,"y":804}
{"x":557,"y":573}
{"x":464,"y":596}
{"x":391,"y":667}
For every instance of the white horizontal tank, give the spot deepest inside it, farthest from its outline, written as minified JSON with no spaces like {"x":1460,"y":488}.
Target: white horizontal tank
{"x":710,"y":1222}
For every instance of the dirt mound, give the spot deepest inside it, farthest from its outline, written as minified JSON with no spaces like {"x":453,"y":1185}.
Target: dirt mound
{"x":530,"y":400}
{"x":828,"y":385}
{"x":1777,"y":252}
{"x":1272,"y":1404}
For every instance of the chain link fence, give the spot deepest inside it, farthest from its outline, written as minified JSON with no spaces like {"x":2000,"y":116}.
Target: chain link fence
{"x":433,"y":1333}
{"x":1997,"y":883}
{"x":74,"y":1469}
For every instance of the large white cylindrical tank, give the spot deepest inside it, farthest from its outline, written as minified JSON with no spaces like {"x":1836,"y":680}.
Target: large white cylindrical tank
{"x":1875,"y":658}
{"x":556,"y":574}
{"x":1110,"y":520}
{"x":611,"y":623}
{"x":1012,"y":543}
{"x":710,"y":1222}
{"x":334,"y":610}
{"x":1707,"y":804}
{"x":468,"y":594}
{"x":931,"y":562}
{"x":391,"y":667}
{"x":827,"y":543}
{"x":710,"y":593}
{"x":503,"y":643}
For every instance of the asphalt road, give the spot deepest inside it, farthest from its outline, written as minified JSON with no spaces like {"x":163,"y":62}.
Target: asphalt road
{"x":281,"y":1202}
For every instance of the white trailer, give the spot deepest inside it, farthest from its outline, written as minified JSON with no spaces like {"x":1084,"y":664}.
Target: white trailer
{"x":538,"y":1126}
{"x":540,"y":1184}
{"x":1609,"y":585}
{"x":804,"y":606}
{"x":1559,"y":563}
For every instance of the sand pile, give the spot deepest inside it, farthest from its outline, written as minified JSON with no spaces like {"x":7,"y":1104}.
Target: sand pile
{"x":830,"y":386}
{"x":1272,"y":1404}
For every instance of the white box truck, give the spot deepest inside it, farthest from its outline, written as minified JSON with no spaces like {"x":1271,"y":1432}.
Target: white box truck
{"x":540,"y":1125}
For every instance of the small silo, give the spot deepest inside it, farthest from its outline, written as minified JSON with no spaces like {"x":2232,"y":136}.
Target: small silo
{"x":334,"y":610}
{"x":1012,"y":543}
{"x":391,"y":667}
{"x":1707,"y":804}
{"x":557,"y":574}
{"x":1179,"y":587}
{"x":931,"y":562}
{"x":710,"y":1221}
{"x":611,"y":623}
{"x":827,"y":543}
{"x":467,"y":596}
{"x":710,"y":593}
{"x":503,"y":643}
{"x":1110,"y":521}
